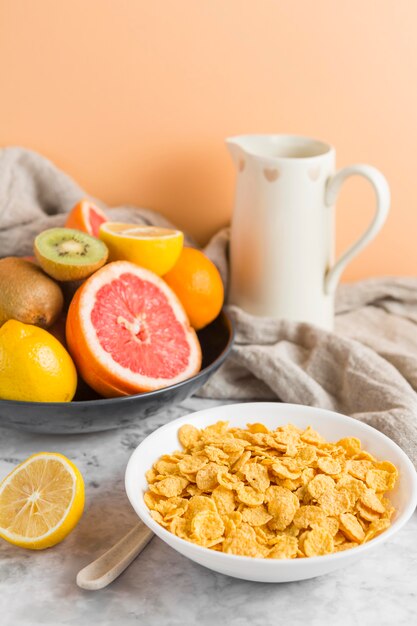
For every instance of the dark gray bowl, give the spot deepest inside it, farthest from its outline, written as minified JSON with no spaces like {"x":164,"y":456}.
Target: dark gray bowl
{"x":90,"y":413}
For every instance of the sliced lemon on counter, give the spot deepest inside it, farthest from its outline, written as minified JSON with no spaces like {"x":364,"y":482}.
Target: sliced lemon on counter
{"x":156,"y":249}
{"x":41,"y":501}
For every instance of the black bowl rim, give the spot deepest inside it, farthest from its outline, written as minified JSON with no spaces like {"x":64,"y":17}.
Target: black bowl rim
{"x":149,"y":394}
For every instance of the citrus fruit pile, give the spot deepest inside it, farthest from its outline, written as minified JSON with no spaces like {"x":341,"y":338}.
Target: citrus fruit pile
{"x":116,"y":304}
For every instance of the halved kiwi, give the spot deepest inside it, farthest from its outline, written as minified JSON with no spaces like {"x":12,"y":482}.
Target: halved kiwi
{"x":68,"y":254}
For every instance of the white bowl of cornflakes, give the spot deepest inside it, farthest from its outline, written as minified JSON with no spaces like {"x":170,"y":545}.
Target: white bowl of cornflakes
{"x":298,"y":493}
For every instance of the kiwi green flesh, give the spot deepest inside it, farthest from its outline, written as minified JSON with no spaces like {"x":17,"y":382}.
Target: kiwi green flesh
{"x":67,"y":254}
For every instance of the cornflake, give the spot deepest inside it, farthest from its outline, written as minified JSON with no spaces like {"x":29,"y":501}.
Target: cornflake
{"x":286,"y":547}
{"x":280,"y":494}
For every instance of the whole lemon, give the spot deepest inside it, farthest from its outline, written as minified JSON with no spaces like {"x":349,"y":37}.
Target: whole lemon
{"x":34,"y":366}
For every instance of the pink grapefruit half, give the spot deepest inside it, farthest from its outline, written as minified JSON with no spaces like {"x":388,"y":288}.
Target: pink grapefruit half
{"x":128,"y":333}
{"x":87,"y":217}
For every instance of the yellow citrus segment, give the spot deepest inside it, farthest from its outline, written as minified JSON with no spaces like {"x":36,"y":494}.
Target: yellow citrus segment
{"x":34,"y":365}
{"x":41,"y":501}
{"x":156,"y":249}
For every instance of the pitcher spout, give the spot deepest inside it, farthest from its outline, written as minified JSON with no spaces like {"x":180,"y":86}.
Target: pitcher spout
{"x":235,"y":150}
{"x":260,"y":148}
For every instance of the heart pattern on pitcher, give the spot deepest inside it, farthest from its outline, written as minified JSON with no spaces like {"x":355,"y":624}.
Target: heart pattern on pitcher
{"x":314,"y":173}
{"x":271,"y":174}
{"x":242,"y":164}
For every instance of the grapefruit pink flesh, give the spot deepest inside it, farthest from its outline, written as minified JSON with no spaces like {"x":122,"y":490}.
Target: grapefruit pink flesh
{"x":136,"y":325}
{"x":96,"y":219}
{"x":128,"y":332}
{"x":87,"y":217}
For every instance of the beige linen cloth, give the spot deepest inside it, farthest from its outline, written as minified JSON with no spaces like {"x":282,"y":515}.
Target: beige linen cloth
{"x":367,"y":368}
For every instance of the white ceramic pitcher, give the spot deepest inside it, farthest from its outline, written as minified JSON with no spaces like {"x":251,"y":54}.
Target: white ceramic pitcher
{"x":282,"y":234}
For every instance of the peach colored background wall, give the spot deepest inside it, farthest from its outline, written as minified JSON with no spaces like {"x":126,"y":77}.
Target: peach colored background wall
{"x":134,"y":98}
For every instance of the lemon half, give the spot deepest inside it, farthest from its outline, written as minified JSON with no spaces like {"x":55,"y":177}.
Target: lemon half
{"x":41,"y":501}
{"x":156,"y":249}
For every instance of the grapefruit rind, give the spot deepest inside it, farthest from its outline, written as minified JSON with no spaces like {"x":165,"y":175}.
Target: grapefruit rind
{"x":80,"y":217}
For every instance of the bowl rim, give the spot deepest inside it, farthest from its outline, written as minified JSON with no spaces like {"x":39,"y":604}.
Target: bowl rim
{"x":149,"y":394}
{"x":173,"y":540}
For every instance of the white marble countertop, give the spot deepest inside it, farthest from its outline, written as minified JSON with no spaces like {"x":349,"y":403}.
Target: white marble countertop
{"x":163,"y":588}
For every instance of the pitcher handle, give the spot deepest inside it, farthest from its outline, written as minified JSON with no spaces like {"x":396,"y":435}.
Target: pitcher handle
{"x":382,"y":193}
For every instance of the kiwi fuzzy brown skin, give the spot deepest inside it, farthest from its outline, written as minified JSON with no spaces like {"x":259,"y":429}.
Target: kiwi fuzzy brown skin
{"x":67,"y":254}
{"x":27,"y":294}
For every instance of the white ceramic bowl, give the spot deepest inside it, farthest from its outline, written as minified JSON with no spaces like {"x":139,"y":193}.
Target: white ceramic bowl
{"x":331,"y":425}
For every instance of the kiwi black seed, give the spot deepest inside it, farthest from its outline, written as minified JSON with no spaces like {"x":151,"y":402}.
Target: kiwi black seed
{"x":68,"y":254}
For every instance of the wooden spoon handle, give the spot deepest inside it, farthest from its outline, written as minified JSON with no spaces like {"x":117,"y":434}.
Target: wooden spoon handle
{"x":112,"y":563}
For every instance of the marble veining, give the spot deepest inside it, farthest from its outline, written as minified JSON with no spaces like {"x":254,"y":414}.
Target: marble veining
{"x":163,"y":588}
